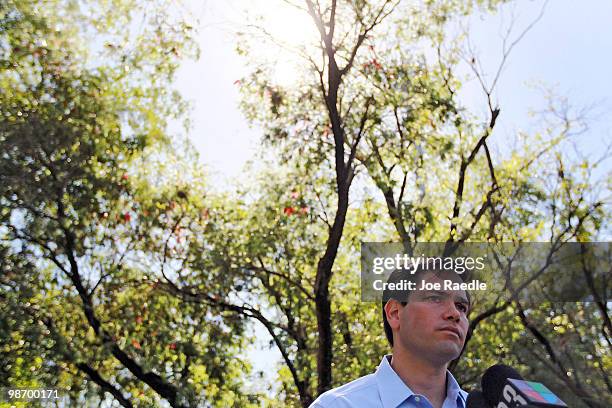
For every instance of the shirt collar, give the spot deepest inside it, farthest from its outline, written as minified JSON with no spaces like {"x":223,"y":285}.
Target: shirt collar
{"x":393,"y":391}
{"x":453,"y":391}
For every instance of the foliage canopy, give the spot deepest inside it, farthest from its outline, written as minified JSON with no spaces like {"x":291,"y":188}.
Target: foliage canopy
{"x":126,"y":279}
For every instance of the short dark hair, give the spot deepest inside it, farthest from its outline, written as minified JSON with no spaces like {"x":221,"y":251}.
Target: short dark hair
{"x":402,"y":296}
{"x":399,"y":295}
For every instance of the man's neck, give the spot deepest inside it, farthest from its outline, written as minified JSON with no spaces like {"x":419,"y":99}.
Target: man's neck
{"x":423,"y":377}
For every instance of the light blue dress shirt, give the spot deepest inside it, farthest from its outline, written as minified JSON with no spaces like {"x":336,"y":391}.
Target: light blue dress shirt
{"x":384,"y":389}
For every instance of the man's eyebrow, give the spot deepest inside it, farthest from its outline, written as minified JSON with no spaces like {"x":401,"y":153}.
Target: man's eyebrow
{"x":437,"y":292}
{"x":434,"y":292}
{"x":462,"y":299}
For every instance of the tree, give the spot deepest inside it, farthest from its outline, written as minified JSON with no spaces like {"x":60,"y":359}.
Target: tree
{"x":374,"y":102}
{"x":121,"y":269}
{"x":79,"y":207}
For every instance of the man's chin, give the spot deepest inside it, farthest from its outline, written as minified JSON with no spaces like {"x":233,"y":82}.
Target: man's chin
{"x":449,"y":352}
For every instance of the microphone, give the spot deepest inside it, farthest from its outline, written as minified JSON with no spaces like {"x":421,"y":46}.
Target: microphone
{"x":503,"y":387}
{"x":476,"y":399}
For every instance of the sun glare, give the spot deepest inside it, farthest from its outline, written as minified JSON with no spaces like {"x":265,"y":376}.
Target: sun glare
{"x":295,"y":33}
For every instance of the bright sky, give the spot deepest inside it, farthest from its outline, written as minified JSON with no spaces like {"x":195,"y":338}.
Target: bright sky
{"x":571,"y":48}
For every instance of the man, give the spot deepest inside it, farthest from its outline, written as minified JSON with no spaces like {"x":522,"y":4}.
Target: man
{"x":426,"y":330}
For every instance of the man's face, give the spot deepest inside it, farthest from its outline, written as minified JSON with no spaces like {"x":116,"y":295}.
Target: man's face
{"x":433,"y":324}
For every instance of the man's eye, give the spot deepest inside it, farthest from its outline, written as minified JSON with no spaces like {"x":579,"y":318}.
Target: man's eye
{"x":461,"y":307}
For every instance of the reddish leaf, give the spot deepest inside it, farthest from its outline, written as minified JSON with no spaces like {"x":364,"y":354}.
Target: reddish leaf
{"x":136,"y":344}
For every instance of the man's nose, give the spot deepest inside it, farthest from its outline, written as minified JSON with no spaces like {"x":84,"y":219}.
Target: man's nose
{"x":451,"y":312}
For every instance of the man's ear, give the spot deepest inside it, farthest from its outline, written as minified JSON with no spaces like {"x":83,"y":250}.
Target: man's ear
{"x":392,"y":309}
